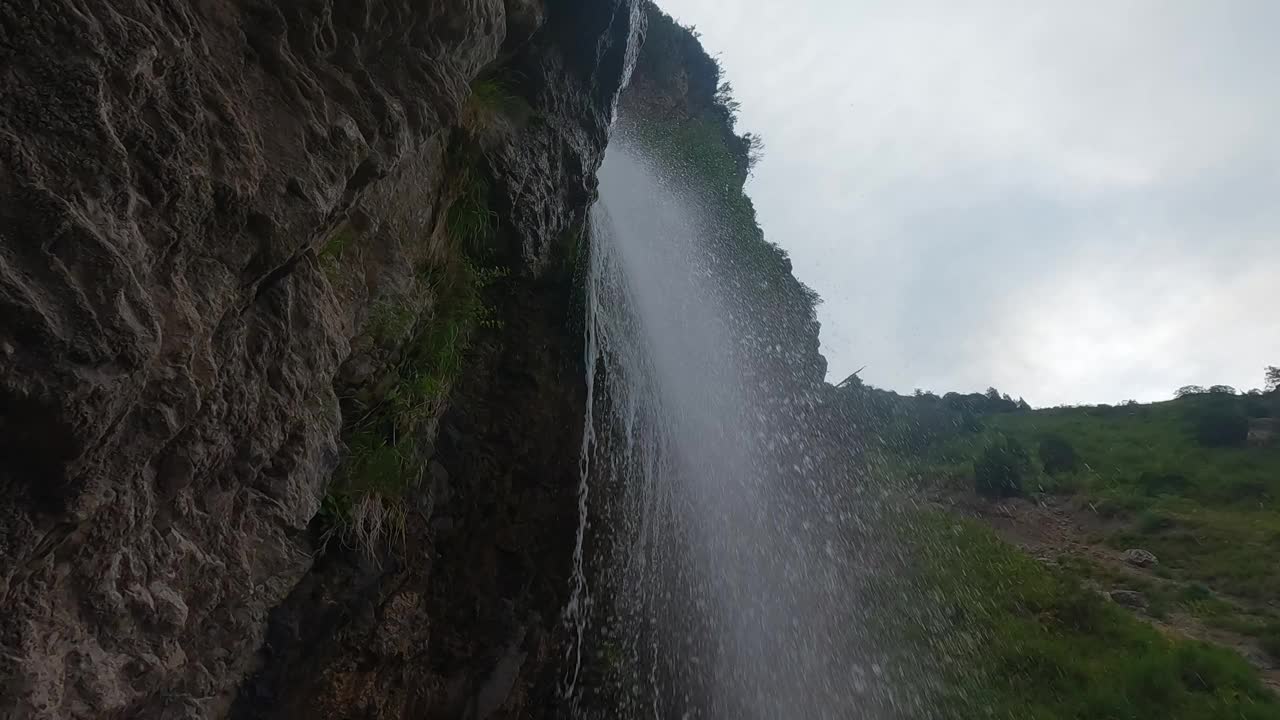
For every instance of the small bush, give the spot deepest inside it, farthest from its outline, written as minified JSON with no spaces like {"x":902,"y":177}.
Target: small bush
{"x":1057,"y":455}
{"x":1000,"y":470}
{"x":1195,"y":592}
{"x":1220,"y":425}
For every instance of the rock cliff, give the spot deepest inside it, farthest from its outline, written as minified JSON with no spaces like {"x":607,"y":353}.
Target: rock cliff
{"x":249,"y":250}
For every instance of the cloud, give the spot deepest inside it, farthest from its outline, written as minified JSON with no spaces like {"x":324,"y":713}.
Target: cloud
{"x":1070,"y":201}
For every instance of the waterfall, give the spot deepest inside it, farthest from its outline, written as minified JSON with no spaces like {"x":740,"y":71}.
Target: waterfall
{"x":727,"y":558}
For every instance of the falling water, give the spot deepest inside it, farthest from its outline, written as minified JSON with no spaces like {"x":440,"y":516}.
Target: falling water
{"x":728,"y":563}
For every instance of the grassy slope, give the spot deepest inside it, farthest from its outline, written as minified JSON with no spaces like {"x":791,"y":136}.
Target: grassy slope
{"x":1219,"y":525}
{"x":1055,"y":650}
{"x":1048,"y":649}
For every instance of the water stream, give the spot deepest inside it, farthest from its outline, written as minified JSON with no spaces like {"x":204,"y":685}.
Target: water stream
{"x":727,"y":561}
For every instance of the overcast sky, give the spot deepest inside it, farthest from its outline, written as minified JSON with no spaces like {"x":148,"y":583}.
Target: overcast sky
{"x":1074,"y":201}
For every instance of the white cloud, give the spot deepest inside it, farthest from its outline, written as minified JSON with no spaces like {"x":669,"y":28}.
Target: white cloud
{"x":1072,"y":201}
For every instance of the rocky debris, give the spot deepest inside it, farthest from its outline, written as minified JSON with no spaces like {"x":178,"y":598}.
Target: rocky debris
{"x":169,"y":338}
{"x":1128,"y":598}
{"x":1139,"y":558}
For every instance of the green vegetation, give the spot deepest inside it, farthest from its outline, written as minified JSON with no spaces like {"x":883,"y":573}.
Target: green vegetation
{"x":1048,"y":648}
{"x":1179,"y":479}
{"x":424,"y":333}
{"x":383,"y":463}
{"x":1057,"y":455}
{"x":1220,"y":424}
{"x":999,"y":470}
{"x":495,"y":104}
{"x":1205,"y":508}
{"x":331,"y":254}
{"x":697,"y":150}
{"x":469,"y":220}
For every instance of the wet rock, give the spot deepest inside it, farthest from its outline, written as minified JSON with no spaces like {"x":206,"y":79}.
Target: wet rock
{"x":489,"y":574}
{"x":169,"y":340}
{"x":1140,"y":558}
{"x":441,"y":493}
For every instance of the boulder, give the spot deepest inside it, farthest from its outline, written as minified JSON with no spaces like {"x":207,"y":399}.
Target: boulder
{"x":1140,"y":558}
{"x":1128,"y":598}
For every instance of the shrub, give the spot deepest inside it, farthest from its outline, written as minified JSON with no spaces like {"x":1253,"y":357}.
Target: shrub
{"x":1220,"y":425}
{"x":1057,"y":455}
{"x":1256,"y":409}
{"x":999,"y":471}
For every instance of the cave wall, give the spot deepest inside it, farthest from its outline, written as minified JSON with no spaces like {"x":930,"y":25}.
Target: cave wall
{"x":173,"y":339}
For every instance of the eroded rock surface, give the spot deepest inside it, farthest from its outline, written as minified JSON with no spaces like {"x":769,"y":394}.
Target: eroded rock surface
{"x":169,"y":340}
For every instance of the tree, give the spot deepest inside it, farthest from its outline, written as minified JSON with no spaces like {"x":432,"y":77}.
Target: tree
{"x":1273,"y":378}
{"x":993,"y":393}
{"x":998,"y":471}
{"x":1222,"y":390}
{"x":755,"y":149}
{"x":1186,"y":390}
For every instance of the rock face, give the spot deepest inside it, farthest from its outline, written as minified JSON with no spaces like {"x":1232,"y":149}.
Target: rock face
{"x":171,"y":338}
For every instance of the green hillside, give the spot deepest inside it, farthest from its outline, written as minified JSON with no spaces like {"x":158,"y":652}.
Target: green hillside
{"x":1181,"y":479}
{"x":1046,"y":648}
{"x":1208,"y":508}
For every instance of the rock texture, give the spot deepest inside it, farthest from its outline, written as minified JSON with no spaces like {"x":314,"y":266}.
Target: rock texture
{"x":169,"y":343}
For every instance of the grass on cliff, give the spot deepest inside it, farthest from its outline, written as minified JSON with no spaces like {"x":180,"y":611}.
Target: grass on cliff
{"x":367,"y":500}
{"x":495,"y":107}
{"x":470,"y":221}
{"x":427,"y":331}
{"x":1046,"y":648}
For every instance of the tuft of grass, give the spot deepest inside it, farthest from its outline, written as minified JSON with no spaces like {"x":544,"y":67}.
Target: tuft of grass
{"x":469,"y":221}
{"x":495,"y":105}
{"x":390,"y":322}
{"x":334,"y":249}
{"x":495,"y":94}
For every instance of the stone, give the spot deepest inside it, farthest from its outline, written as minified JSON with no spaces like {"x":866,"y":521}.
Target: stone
{"x":1128,"y":598}
{"x":1140,"y":558}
